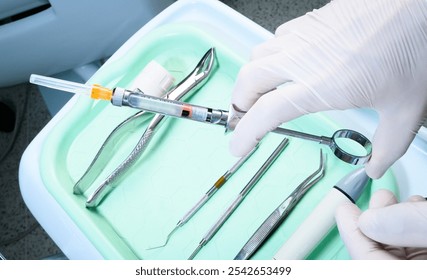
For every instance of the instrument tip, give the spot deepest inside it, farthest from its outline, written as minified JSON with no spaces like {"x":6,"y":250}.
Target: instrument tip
{"x":167,"y":238}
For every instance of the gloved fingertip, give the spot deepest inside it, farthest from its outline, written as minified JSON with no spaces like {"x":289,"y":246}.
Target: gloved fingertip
{"x":239,"y":148}
{"x":346,"y":214}
{"x":370,"y":224}
{"x":400,"y":224}
{"x":374,"y":169}
{"x":382,"y":198}
{"x":416,"y":198}
{"x":391,"y":140}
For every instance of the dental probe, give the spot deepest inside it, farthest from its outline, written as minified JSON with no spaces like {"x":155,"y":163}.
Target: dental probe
{"x":216,"y":186}
{"x":243,"y":193}
{"x":321,"y":220}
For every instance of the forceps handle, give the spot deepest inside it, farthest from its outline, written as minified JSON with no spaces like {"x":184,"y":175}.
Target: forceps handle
{"x":268,"y":226}
{"x":106,"y":186}
{"x":103,"y":189}
{"x":106,"y":152}
{"x":192,"y":81}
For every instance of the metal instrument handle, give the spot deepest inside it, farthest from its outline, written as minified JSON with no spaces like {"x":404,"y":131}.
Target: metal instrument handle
{"x":102,"y":190}
{"x":193,"y":80}
{"x":338,"y":151}
{"x":106,"y":151}
{"x":280,"y":213}
{"x":302,"y":135}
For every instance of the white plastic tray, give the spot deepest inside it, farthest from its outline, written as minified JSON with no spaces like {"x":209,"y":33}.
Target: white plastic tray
{"x":241,"y":34}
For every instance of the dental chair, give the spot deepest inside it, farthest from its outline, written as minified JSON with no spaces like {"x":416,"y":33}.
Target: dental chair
{"x":68,"y":39}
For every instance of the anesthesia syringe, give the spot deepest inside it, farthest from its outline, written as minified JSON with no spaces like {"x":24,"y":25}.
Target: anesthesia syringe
{"x":358,"y":155}
{"x":137,"y":99}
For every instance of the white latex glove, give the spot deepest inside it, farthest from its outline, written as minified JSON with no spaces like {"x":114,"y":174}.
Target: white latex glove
{"x":402,"y":226}
{"x":349,"y":53}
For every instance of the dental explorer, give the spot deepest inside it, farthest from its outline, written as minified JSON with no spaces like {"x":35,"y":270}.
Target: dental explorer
{"x":124,"y":97}
{"x":321,"y":220}
{"x":278,"y":216}
{"x":216,"y":186}
{"x":243,"y":193}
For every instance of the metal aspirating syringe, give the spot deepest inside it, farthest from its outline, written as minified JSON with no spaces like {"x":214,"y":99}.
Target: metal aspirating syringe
{"x":136,"y":99}
{"x":123,"y":97}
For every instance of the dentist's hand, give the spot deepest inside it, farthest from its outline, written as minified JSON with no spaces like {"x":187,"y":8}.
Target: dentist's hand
{"x":387,"y":230}
{"x":350,"y":53}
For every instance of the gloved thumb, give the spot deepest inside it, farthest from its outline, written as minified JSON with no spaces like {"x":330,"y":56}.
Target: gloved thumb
{"x":402,"y":224}
{"x":358,"y":244}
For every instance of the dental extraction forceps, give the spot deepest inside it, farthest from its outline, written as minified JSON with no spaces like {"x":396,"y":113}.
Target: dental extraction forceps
{"x":193,"y":80}
{"x":279,"y":215}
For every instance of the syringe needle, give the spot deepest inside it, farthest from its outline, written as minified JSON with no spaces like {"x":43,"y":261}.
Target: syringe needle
{"x":218,"y":184}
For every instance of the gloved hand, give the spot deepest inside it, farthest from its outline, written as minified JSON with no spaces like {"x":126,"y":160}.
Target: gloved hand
{"x":387,"y":230}
{"x":349,"y":53}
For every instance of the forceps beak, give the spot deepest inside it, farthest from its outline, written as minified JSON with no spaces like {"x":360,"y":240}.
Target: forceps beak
{"x":196,"y":78}
{"x":204,"y":67}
